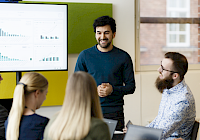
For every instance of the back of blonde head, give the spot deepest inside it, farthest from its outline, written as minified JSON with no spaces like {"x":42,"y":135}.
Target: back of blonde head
{"x":33,"y":81}
{"x":80,"y":104}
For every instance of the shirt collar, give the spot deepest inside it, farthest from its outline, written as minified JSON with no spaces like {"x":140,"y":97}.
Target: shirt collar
{"x":175,"y":88}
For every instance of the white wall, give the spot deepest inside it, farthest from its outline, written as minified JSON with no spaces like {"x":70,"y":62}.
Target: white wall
{"x":143,"y":105}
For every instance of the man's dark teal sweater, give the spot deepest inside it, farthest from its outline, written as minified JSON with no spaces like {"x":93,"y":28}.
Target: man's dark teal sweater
{"x":114,"y":67}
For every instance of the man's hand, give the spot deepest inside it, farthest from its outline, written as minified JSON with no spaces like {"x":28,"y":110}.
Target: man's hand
{"x":104,"y":89}
{"x":125,"y":130}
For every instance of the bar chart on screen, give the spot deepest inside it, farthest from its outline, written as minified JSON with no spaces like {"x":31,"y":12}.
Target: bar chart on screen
{"x":48,"y":32}
{"x":6,"y":58}
{"x":6,"y":34}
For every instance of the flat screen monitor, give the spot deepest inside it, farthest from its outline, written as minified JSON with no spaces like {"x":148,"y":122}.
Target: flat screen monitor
{"x":33,"y":37}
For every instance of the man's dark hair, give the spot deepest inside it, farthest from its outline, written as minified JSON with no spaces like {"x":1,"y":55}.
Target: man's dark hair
{"x":180,"y":63}
{"x":105,"y":20}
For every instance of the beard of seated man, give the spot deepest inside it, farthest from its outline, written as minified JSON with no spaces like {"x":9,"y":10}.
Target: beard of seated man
{"x":162,"y":84}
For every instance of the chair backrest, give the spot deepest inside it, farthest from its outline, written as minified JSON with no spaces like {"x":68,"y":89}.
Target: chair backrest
{"x":195,"y":130}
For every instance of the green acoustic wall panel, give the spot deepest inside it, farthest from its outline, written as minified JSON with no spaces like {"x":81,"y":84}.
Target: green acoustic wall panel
{"x":80,"y":20}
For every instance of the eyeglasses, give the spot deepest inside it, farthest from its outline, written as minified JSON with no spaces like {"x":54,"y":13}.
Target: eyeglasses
{"x":165,"y":69}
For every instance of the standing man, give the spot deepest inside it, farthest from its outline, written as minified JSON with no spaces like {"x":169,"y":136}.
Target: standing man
{"x":177,"y":111}
{"x":111,"y":67}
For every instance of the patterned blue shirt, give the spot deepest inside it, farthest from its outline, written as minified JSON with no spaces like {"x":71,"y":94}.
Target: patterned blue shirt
{"x":176,"y":113}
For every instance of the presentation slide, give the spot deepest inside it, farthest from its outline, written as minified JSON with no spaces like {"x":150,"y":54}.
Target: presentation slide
{"x":33,"y":37}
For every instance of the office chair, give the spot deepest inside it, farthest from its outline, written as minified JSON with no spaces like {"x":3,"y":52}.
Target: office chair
{"x":195,"y":130}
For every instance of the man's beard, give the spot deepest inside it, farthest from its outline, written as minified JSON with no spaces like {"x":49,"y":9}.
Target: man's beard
{"x":162,"y":84}
{"x":107,"y":45}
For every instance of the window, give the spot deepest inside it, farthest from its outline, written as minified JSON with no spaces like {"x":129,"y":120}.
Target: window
{"x":178,"y":35}
{"x":163,"y":26}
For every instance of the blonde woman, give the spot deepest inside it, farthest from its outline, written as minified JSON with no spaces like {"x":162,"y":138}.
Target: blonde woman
{"x":80,"y":117}
{"x":23,"y":123}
